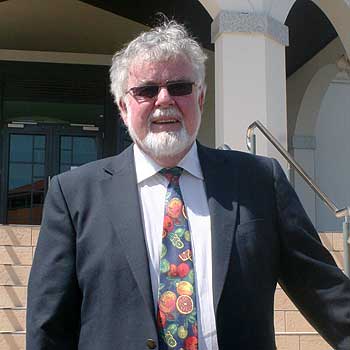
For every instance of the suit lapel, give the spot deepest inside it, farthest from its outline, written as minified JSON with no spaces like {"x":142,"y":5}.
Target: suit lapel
{"x":123,"y":209}
{"x":121,"y":197}
{"x":222,"y":193}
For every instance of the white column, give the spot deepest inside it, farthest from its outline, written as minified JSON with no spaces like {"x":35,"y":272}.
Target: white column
{"x":250,"y":78}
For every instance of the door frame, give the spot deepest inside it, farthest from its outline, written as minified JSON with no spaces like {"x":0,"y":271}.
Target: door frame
{"x":114,"y":137}
{"x":32,"y":129}
{"x":52,"y":149}
{"x":68,"y":130}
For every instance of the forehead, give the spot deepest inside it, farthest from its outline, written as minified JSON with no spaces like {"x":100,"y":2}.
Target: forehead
{"x":146,"y":71}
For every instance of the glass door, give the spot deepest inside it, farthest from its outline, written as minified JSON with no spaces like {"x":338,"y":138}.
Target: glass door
{"x":26,"y":176}
{"x":35,"y":153}
{"x":75,"y":148}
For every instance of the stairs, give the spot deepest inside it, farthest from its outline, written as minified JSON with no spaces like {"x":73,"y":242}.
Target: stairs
{"x":17,"y":246}
{"x":293,"y":332}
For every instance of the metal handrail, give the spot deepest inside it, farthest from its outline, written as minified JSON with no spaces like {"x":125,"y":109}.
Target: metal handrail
{"x":339,"y":213}
{"x":224,"y":147}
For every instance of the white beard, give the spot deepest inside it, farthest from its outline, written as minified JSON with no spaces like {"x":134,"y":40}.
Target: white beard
{"x":164,"y":144}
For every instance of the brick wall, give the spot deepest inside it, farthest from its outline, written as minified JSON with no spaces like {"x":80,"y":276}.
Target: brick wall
{"x":293,"y":332}
{"x":17,"y":246}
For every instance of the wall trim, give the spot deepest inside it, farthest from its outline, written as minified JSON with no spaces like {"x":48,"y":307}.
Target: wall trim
{"x":304,"y":142}
{"x":245,"y":22}
{"x":55,"y":57}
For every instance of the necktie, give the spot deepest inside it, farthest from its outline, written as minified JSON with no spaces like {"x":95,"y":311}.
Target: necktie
{"x":177,"y":312}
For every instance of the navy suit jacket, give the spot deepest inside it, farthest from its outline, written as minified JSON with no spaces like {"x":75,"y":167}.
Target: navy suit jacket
{"x":90,"y":285}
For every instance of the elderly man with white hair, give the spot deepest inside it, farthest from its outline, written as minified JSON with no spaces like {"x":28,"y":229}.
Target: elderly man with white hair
{"x":172,"y":245}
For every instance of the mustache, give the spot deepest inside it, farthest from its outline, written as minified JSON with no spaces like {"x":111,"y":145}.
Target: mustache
{"x":165,"y":112}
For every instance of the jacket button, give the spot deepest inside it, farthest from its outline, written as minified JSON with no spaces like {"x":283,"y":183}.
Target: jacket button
{"x":151,"y":344}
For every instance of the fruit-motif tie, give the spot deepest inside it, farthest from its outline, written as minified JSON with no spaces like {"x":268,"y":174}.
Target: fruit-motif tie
{"x":176,"y":316}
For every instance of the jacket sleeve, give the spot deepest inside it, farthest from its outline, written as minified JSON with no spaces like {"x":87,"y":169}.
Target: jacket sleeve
{"x":53,"y":307}
{"x":309,"y":274}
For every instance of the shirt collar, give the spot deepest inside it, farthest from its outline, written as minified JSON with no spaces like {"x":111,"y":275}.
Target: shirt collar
{"x":147,"y":167}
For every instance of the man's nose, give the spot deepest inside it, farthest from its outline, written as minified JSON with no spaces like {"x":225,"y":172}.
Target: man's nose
{"x":164,"y":98}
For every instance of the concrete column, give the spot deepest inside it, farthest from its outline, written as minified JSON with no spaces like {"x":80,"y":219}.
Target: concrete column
{"x":250,"y":78}
{"x":304,"y":153}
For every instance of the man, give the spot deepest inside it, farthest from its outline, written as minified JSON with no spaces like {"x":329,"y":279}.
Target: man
{"x":103,"y":275}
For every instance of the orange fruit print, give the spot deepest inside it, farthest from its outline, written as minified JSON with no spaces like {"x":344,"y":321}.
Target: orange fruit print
{"x":174,"y":207}
{"x":184,"y":288}
{"x":191,"y":343}
{"x":182,"y":270}
{"x":168,"y":224}
{"x":173,"y":270}
{"x":184,"y":304}
{"x":167,"y":302}
{"x":177,"y":317}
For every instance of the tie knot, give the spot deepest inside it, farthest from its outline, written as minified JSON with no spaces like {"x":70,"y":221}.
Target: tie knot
{"x":172,"y":174}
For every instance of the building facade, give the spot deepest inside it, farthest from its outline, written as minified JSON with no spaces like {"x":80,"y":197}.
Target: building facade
{"x":56,"y":111}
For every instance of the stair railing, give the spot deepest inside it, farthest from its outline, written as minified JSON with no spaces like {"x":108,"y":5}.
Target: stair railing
{"x":338,"y":213}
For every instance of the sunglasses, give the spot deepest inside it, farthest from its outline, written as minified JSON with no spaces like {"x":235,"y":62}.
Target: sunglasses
{"x":175,"y":88}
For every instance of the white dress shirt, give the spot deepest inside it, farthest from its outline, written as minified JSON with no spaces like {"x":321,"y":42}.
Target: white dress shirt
{"x":152,"y":189}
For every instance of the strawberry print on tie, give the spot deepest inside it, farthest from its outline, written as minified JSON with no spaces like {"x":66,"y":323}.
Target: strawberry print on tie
{"x":177,"y":312}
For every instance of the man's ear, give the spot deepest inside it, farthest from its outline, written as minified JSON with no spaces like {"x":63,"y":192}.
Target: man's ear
{"x":123,"y":111}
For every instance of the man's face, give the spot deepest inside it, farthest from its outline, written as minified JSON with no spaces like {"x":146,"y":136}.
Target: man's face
{"x":164,"y":125}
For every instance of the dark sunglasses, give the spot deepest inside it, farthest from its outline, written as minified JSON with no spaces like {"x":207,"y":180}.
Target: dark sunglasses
{"x":175,"y":88}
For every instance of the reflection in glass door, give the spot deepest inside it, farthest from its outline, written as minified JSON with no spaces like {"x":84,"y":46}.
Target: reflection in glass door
{"x":76,"y":151}
{"x":35,"y":153}
{"x":26,"y":178}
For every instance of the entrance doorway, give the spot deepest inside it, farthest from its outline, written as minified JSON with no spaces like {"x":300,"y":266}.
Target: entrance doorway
{"x":33,"y":154}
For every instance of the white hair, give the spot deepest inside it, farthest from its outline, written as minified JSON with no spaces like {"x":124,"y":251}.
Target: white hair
{"x":166,"y":41}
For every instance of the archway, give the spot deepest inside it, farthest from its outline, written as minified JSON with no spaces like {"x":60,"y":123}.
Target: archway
{"x":321,"y":131}
{"x":304,"y":141}
{"x":307,"y":89}
{"x":338,"y":12}
{"x":312,"y":99}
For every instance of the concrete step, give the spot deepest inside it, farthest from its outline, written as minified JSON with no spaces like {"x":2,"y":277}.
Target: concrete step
{"x":16,"y":255}
{"x":18,"y":235}
{"x":12,"y":320}
{"x":300,"y":341}
{"x":12,"y":341}
{"x":333,"y":241}
{"x":14,"y":275}
{"x":13,"y":296}
{"x":293,"y":332}
{"x":17,"y":247}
